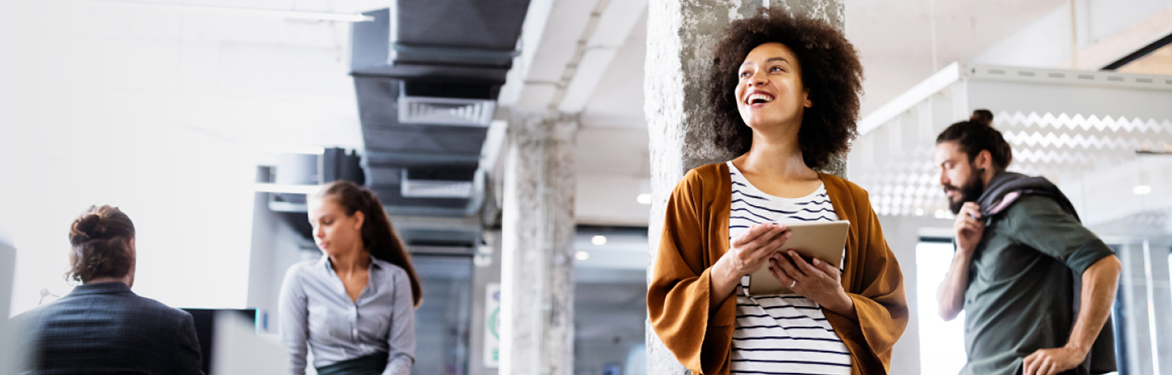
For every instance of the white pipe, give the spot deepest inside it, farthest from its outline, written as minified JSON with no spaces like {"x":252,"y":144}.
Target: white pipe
{"x":288,"y":14}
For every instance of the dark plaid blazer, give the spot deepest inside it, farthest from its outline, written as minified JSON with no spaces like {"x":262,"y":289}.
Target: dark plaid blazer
{"x":105,"y":328}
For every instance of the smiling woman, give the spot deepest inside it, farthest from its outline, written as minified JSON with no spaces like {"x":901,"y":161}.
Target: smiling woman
{"x":817,"y":55}
{"x":785,"y":90}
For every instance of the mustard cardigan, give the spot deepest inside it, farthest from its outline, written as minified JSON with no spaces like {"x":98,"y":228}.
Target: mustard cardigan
{"x":695,"y":236}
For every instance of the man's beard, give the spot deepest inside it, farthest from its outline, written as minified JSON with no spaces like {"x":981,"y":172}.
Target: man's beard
{"x":969,"y":192}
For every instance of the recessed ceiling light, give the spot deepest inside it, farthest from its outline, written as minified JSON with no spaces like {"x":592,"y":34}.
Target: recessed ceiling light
{"x":1142,"y":189}
{"x":644,"y":198}
{"x":582,"y":255}
{"x":598,"y":240}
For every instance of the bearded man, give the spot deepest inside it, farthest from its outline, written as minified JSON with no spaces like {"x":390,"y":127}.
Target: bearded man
{"x":1036,"y":286}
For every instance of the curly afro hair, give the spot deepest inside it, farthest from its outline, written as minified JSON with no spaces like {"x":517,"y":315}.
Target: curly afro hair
{"x":830,"y":71}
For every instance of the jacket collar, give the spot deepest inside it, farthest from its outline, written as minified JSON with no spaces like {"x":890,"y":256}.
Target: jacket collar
{"x":101,"y":288}
{"x":1006,"y":187}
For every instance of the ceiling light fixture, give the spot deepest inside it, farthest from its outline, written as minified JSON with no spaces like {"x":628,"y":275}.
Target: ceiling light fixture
{"x":644,"y":198}
{"x":1142,"y":189}
{"x":288,"y":14}
{"x":582,"y":255}
{"x":598,"y":240}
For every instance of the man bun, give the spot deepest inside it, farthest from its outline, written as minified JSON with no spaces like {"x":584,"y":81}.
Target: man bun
{"x":976,"y":135}
{"x":86,"y":227}
{"x":983,"y":117}
{"x":101,"y":244}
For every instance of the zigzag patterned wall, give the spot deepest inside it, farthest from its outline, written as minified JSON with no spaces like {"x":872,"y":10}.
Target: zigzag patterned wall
{"x":1062,"y":146}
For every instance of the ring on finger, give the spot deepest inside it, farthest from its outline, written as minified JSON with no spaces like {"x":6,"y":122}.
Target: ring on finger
{"x":791,"y":285}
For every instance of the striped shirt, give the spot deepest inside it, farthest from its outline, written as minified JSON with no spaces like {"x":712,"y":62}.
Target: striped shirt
{"x":781,"y":334}
{"x":317,"y":314}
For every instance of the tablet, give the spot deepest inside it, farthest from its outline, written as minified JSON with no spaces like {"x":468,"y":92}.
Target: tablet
{"x":824,"y":240}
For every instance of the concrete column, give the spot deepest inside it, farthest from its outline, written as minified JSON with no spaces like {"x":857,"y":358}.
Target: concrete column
{"x":537,"y":259}
{"x":680,"y":38}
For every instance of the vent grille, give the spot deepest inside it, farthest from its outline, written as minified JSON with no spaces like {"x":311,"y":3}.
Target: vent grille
{"x":418,"y":188}
{"x":445,"y":111}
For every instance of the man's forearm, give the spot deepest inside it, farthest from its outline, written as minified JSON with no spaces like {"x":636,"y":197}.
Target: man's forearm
{"x":950,"y":294}
{"x":1099,"y":284}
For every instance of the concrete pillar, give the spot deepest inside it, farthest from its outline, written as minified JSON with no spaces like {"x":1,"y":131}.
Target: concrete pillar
{"x":680,"y":38}
{"x":537,"y":259}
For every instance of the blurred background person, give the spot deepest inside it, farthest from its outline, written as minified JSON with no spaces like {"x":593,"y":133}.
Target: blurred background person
{"x":785,"y":91}
{"x":355,"y":306}
{"x":1024,"y":265}
{"x":102,"y":327}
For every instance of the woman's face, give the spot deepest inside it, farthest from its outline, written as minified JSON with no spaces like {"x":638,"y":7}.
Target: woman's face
{"x":769,"y":87}
{"x":333,"y":230}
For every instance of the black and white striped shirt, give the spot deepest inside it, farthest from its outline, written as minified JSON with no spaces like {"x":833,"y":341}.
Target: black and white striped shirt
{"x":781,"y":334}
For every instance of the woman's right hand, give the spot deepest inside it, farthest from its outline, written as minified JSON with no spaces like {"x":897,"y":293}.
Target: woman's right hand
{"x":752,"y":249}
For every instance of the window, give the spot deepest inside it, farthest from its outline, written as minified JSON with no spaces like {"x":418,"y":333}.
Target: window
{"x":941,"y":343}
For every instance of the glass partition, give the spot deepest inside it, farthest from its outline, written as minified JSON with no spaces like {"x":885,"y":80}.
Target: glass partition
{"x":941,"y":343}
{"x":442,"y":322}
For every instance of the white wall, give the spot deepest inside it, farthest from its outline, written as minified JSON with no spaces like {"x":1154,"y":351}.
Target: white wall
{"x":275,"y":247}
{"x":1107,"y":30}
{"x":902,"y":234}
{"x":159,"y":112}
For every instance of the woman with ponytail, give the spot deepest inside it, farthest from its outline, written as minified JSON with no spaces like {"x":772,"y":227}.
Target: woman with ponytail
{"x":355,"y":306}
{"x":101,"y":327}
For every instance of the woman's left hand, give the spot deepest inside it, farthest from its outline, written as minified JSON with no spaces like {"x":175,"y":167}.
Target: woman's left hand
{"x":820,"y":282}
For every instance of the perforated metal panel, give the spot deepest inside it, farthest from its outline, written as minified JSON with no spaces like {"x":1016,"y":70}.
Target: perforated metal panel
{"x":1080,"y":129}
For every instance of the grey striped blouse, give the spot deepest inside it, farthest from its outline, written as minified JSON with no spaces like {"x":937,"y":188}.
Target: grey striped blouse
{"x":317,"y":314}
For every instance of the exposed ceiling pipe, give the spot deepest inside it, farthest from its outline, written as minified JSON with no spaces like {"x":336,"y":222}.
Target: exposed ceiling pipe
{"x":274,"y":13}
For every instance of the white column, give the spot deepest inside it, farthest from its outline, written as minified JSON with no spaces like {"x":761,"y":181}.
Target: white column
{"x":680,"y":38}
{"x":537,"y":259}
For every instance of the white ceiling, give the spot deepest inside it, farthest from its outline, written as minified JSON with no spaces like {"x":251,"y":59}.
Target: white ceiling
{"x":255,"y":80}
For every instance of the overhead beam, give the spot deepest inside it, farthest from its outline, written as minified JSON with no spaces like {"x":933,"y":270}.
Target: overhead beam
{"x":596,"y":50}
{"x":1125,"y":41}
{"x":566,"y":47}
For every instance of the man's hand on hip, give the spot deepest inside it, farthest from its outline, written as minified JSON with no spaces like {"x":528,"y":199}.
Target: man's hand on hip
{"x":1052,"y":361}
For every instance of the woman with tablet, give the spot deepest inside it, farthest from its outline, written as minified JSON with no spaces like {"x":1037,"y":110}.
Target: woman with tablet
{"x":785,"y":91}
{"x":355,"y":306}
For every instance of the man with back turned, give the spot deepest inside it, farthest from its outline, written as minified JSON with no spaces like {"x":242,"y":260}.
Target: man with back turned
{"x":1036,"y":286}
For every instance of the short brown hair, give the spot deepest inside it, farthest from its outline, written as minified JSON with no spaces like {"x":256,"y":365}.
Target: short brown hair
{"x":101,"y":244}
{"x":830,"y":71}
{"x":377,"y":234}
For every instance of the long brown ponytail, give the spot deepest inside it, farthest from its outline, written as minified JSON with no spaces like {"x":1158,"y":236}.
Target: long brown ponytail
{"x":377,"y":234}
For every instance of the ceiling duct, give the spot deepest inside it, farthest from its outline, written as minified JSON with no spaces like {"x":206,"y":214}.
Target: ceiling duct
{"x":427,"y":76}
{"x":438,"y":182}
{"x":331,"y":165}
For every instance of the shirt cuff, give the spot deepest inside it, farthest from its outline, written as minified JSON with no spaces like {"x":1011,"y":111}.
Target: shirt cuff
{"x":399,"y":365}
{"x":1087,"y":255}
